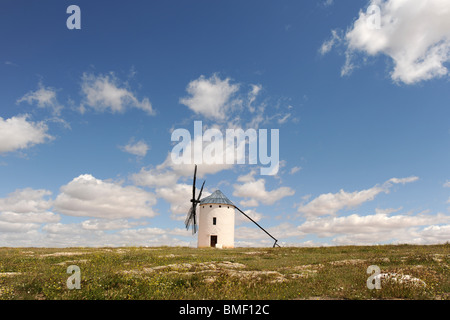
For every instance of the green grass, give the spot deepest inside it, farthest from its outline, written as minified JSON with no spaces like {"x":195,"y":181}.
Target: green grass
{"x":241,"y":273}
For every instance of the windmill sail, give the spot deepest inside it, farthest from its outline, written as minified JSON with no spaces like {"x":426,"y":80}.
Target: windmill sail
{"x":191,"y":218}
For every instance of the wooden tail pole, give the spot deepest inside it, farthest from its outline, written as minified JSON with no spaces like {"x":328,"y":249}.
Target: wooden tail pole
{"x":275,"y":244}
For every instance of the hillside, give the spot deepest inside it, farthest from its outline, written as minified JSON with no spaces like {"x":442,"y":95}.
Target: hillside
{"x":406,"y":272}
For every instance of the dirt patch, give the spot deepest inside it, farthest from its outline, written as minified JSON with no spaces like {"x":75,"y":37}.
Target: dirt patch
{"x":387,"y":260}
{"x":302,"y":271}
{"x":250,"y":253}
{"x":348,"y":262}
{"x":189,"y":267}
{"x":275,"y":276}
{"x":10,"y":274}
{"x":213,"y":269}
{"x":114,"y":250}
{"x":439,"y":257}
{"x":353,"y":262}
{"x":71,"y":261}
{"x":28,"y":253}
{"x":306,"y":267}
{"x":231,"y":265}
{"x":64,"y":253}
{"x":317,"y":298}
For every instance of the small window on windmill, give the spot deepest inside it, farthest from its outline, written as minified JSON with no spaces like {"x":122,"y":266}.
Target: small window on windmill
{"x":210,"y":206}
{"x":214,"y":221}
{"x":220,"y":206}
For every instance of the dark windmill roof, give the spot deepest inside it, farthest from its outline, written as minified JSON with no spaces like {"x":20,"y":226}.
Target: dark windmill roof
{"x":217,"y":197}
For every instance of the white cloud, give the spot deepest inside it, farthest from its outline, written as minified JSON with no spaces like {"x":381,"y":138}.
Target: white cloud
{"x":154,"y":178}
{"x":25,"y":210}
{"x":26,"y":200}
{"x":240,"y":218}
{"x":284,"y":230}
{"x":284,"y":118}
{"x":29,"y":217}
{"x":232,"y":104}
{"x":45,"y":97}
{"x":416,"y":234}
{"x":328,"y":3}
{"x":179,"y":197}
{"x":371,"y":225}
{"x":19,"y":133}
{"x":252,"y":202}
{"x":255,"y":191}
{"x":295,"y":170}
{"x":106,"y":224}
{"x":254,"y":92}
{"x":434,"y":234}
{"x":403,"y":180}
{"x":330,"y":43}
{"x":211,"y":98}
{"x":138,"y":148}
{"x":105,"y":92}
{"x":415,"y":34}
{"x":331,"y":203}
{"x":209,"y":164}
{"x":90,"y":197}
{"x":249,"y":233}
{"x":249,"y":177}
{"x":20,"y":228}
{"x":10,"y":63}
{"x":91,"y":234}
{"x":387,"y":211}
{"x":164,"y":178}
{"x":153,"y":236}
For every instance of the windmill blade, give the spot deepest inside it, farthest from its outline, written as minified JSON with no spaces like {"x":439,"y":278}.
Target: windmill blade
{"x":200,"y":194}
{"x":193,"y":184}
{"x":194,"y":210}
{"x":191,"y":219}
{"x":194,"y":215}
{"x":188,"y":220}
{"x":194,"y":226}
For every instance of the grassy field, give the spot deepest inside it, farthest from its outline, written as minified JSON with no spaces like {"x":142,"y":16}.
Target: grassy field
{"x":407,"y":272}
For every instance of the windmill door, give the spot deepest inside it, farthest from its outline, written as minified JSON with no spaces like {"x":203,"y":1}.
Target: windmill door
{"x":213,"y":241}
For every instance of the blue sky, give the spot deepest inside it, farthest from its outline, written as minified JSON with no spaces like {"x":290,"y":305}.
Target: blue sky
{"x":86,"y":119}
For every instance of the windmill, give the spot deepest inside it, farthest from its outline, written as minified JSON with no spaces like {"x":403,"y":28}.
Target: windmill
{"x":191,"y":217}
{"x":214,"y":207}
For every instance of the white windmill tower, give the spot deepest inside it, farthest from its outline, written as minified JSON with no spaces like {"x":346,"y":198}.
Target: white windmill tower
{"x":216,"y":219}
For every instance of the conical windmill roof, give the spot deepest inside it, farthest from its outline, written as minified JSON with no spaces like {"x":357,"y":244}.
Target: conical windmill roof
{"x":217,"y":197}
